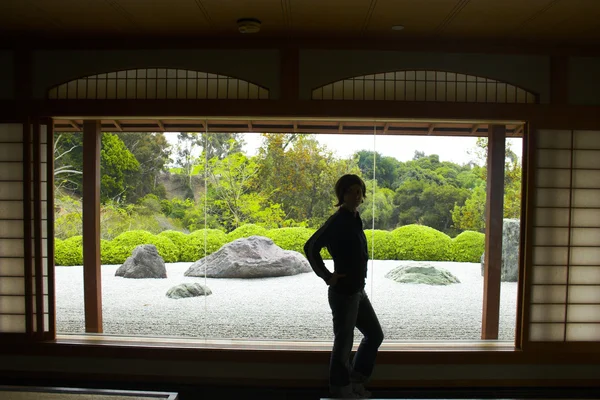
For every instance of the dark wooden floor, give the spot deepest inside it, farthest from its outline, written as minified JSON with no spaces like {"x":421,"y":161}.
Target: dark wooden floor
{"x":194,"y":392}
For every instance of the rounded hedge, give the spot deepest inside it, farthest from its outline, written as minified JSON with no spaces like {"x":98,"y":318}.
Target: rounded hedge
{"x":290,"y":238}
{"x":421,"y":243}
{"x":193,"y":248}
{"x":468,"y":247}
{"x":178,"y":239}
{"x":121,"y":247}
{"x":245,"y":231}
{"x":68,"y":252}
{"x":385,"y":248}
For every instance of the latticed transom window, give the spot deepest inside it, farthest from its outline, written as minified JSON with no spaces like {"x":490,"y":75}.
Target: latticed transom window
{"x":158,"y":84}
{"x":423,"y":85}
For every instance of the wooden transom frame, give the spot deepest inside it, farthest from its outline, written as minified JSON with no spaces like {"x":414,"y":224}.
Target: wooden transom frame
{"x":318,"y":126}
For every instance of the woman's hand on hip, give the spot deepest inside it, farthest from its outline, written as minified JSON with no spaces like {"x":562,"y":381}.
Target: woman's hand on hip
{"x":334,"y":278}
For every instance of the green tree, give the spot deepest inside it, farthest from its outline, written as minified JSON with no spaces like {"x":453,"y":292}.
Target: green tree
{"x":471,"y":216}
{"x":68,"y":162}
{"x":116,"y":167}
{"x":220,"y":145}
{"x":299,"y":173}
{"x":382,"y":202}
{"x":186,"y":155}
{"x":152,"y":151}
{"x":386,"y":168}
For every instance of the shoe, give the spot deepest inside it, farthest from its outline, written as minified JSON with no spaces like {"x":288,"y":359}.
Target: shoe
{"x":344,"y":392}
{"x":359,"y":389}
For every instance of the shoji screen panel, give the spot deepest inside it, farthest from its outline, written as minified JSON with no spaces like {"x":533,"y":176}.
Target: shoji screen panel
{"x":41,"y":226}
{"x":13,"y":296}
{"x":565,"y":275}
{"x":26,"y":246}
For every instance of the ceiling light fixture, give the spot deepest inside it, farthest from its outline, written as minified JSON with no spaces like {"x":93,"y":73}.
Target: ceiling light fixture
{"x":248,"y":25}
{"x":397,"y":27}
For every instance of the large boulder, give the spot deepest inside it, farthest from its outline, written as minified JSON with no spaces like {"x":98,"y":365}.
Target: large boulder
{"x":143,"y":263}
{"x":421,"y":274}
{"x":184,"y":290}
{"x":511,"y":233}
{"x":253,"y":257}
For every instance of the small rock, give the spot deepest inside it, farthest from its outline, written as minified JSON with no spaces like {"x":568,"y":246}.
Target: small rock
{"x":427,"y":275}
{"x":188,"y":290}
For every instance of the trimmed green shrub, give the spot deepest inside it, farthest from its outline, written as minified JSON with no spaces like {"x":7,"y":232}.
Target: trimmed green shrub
{"x":245,"y":231}
{"x":385,"y":248}
{"x":121,"y":247}
{"x":290,"y":238}
{"x":468,"y":247}
{"x":193,"y":249}
{"x":68,"y":252}
{"x":421,"y":243}
{"x":178,"y":238}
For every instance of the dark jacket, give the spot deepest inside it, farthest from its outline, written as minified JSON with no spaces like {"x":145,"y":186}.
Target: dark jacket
{"x":345,"y":240}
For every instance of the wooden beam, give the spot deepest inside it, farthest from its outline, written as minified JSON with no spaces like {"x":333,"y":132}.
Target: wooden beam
{"x":289,"y":73}
{"x":559,"y":80}
{"x":117,"y":125}
{"x":340,"y":127}
{"x":474,"y":129}
{"x":519,"y":130}
{"x":493,"y":231}
{"x":386,"y":127}
{"x":249,"y":126}
{"x":443,"y":45}
{"x":431,"y":129}
{"x":75,"y":125}
{"x":160,"y":125}
{"x":544,"y":116}
{"x":92,"y":135}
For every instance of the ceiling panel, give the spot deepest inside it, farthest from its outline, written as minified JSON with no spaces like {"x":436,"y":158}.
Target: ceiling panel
{"x":24,"y":16}
{"x":80,"y":16}
{"x":165,"y":17}
{"x":573,"y":21}
{"x":335,"y":17}
{"x":416,"y":18}
{"x":567,"y":20}
{"x":225,"y":13}
{"x":493,"y":18}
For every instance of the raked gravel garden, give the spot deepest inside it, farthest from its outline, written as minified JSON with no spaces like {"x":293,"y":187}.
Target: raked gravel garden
{"x":285,"y":308}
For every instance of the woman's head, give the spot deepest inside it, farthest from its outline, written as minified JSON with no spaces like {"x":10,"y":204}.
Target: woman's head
{"x":351,"y":190}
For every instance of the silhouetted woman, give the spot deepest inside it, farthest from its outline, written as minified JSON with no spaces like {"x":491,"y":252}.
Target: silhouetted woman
{"x":345,"y":240}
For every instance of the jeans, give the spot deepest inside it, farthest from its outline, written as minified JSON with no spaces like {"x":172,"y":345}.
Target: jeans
{"x":350,"y":311}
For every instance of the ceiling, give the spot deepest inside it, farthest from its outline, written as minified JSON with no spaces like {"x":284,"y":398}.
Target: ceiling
{"x":549,"y":21}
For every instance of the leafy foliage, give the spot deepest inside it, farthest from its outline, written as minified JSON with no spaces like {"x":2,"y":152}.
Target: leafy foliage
{"x":421,"y":243}
{"x":68,"y":252}
{"x":194,"y":247}
{"x":468,"y":247}
{"x":117,"y":168}
{"x":385,"y":248}
{"x":245,"y":231}
{"x":290,"y":238}
{"x":121,"y":247}
{"x":178,"y":238}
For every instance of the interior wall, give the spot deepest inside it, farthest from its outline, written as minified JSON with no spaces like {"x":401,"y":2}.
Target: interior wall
{"x":55,"y":67}
{"x":584,"y":81}
{"x":6,"y":75}
{"x":303,"y":374}
{"x":320,"y":67}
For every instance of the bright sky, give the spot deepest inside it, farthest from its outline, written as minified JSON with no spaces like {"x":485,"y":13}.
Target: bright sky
{"x":400,"y":147}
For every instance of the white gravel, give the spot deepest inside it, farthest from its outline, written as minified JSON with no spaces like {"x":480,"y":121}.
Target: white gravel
{"x":293,"y":307}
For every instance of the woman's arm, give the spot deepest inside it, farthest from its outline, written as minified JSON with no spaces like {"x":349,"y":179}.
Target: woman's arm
{"x":313,"y":246}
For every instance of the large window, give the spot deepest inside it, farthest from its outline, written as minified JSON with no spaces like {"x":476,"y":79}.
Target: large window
{"x":193,"y":194}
